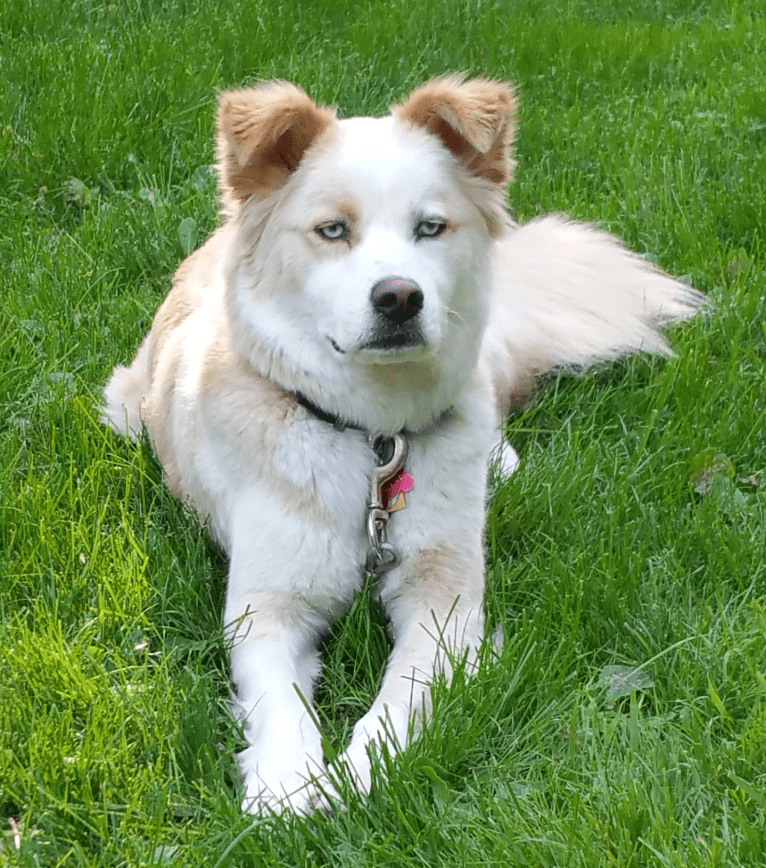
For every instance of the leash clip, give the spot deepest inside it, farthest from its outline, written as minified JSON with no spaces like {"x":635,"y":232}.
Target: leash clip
{"x":392,"y":453}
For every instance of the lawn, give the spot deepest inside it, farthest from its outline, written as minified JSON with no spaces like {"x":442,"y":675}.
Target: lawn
{"x":623,"y":723}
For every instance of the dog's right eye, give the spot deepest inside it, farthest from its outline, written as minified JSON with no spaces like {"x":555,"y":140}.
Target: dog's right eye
{"x":335,"y":231}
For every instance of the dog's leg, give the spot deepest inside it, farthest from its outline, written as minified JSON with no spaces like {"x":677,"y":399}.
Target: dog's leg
{"x":274,"y":663}
{"x":436,"y":617}
{"x":290,"y":575}
{"x":275,"y":615}
{"x":434,"y":599}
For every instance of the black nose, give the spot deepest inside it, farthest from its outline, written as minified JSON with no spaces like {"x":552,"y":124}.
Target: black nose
{"x":397,"y":298}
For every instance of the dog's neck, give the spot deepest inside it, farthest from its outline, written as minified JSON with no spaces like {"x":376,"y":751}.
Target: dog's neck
{"x":338,"y":422}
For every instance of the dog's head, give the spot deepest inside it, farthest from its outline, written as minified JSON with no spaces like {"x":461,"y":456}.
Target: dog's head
{"x":362,"y":244}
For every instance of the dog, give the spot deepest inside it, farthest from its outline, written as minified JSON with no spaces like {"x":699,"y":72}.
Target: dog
{"x":327,"y":381}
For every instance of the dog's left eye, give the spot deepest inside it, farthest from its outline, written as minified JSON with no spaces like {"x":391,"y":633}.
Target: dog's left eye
{"x":429,"y":228}
{"x":336,"y":231}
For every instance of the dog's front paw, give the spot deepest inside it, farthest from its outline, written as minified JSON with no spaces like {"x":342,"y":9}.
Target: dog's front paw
{"x":323,"y":795}
{"x":355,"y":763}
{"x":275,"y":785}
{"x":347,"y":773}
{"x":382,"y":729}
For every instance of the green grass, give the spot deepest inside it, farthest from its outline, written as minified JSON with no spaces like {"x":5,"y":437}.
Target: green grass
{"x":115,"y":733}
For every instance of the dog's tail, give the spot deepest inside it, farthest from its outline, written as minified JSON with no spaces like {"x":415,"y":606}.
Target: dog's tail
{"x":124,"y":394}
{"x":569,"y":295}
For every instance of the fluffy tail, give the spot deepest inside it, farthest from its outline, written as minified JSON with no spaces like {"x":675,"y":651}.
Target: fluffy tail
{"x":125,"y":392}
{"x":570,"y":295}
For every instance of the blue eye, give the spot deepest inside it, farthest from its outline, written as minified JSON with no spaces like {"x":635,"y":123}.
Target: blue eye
{"x":429,"y":228}
{"x":335,"y":231}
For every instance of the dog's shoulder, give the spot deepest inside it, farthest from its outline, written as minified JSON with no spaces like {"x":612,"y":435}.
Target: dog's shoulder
{"x":191,"y":281}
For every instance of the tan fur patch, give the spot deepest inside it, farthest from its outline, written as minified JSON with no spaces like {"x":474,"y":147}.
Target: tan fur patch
{"x":186,"y":293}
{"x":513,"y":391}
{"x":158,"y":418}
{"x":444,"y":571}
{"x":473,"y":119}
{"x":263,"y":133}
{"x":252,"y":411}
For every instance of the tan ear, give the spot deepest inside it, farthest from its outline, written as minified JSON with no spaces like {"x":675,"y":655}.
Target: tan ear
{"x":473,"y":119}
{"x":263,"y":133}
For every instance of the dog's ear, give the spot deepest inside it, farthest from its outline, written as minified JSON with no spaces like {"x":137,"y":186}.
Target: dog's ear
{"x":263,"y":133}
{"x":473,"y":119}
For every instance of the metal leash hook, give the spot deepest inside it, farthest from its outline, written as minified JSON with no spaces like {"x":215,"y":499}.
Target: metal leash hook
{"x":382,"y":555}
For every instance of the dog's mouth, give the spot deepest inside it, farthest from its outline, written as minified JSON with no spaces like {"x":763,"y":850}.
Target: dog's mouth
{"x":396,"y":342}
{"x":385,"y":343}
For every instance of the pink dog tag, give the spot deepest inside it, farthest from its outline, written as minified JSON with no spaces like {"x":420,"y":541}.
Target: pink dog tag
{"x":393,"y":491}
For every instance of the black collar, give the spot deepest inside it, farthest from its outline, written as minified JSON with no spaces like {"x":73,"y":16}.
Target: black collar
{"x":383,"y":447}
{"x":337,"y":422}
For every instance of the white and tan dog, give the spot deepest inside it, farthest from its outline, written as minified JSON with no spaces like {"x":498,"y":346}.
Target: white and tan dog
{"x":327,"y":379}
